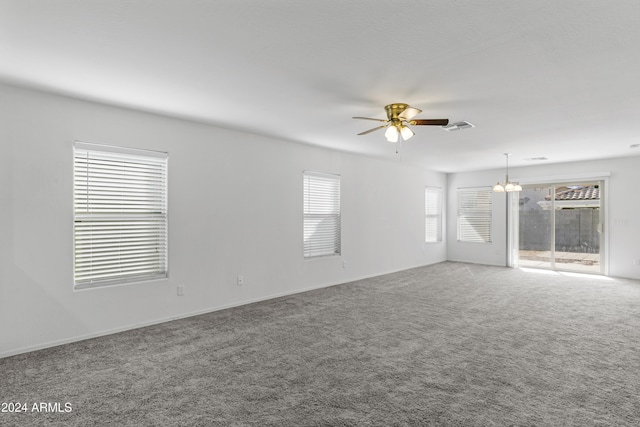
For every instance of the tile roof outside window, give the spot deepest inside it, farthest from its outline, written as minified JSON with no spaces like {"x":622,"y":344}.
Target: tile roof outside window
{"x":590,"y":192}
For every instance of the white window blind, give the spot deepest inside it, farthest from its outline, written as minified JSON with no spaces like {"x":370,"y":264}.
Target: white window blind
{"x":433,"y":214}
{"x":120,"y":215}
{"x":321,"y":214}
{"x":474,"y":215}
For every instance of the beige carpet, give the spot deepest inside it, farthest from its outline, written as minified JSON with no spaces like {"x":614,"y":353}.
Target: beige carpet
{"x":451,"y":344}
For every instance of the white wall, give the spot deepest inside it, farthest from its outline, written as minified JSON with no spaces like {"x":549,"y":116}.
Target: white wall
{"x":622,"y":225}
{"x":235,"y":206}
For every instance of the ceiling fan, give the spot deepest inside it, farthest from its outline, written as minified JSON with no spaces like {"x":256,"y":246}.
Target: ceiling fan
{"x":400,"y":116}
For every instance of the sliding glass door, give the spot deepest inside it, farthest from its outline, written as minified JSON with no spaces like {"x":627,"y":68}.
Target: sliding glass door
{"x":535,"y":223}
{"x":560,"y":226}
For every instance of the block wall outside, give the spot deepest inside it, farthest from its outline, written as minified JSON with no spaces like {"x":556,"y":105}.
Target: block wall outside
{"x":576,"y":230}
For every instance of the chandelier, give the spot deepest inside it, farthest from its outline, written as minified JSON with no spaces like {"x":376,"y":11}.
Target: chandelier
{"x":507,"y":186}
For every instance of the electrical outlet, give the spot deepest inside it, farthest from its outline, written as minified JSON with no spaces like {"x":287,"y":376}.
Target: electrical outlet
{"x":180,"y":290}
{"x":240,"y":280}
{"x":636,"y":261}
{"x":344,"y":264}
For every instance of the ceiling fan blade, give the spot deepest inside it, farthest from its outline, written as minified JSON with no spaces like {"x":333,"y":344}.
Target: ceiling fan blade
{"x":372,"y":130}
{"x":408,"y":113}
{"x":430,"y":122}
{"x":369,"y":118}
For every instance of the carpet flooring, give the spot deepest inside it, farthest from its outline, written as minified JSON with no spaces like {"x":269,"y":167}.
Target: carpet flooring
{"x":450,"y":344}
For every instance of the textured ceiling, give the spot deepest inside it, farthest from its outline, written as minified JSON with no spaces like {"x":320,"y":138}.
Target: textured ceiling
{"x":555,"y":79}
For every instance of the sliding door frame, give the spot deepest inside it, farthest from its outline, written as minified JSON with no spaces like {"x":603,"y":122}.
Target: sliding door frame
{"x":513,"y":212}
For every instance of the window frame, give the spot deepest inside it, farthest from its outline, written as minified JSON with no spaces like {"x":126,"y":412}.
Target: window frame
{"x":113,"y":212}
{"x":316,"y":248}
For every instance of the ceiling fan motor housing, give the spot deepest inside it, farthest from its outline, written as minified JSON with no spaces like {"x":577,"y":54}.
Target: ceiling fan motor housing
{"x":394,"y":110}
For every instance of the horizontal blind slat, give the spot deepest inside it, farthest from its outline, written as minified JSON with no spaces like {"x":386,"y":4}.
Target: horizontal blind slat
{"x":433,"y":214}
{"x":321,"y":209}
{"x":474,"y":215}
{"x":120,"y":214}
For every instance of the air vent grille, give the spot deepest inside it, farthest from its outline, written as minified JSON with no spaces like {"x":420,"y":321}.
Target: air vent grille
{"x":458,"y":126}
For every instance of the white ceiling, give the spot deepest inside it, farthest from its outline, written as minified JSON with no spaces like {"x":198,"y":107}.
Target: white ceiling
{"x":559,"y":79}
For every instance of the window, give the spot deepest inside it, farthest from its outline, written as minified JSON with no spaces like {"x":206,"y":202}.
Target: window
{"x":120,"y":215}
{"x":321,"y":214}
{"x":474,"y":215}
{"x":433,"y":214}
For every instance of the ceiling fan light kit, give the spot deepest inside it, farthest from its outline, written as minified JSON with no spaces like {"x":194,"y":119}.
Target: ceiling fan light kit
{"x":406,"y":133}
{"x":508,"y":186}
{"x":392,"y":134}
{"x":399,"y":117}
